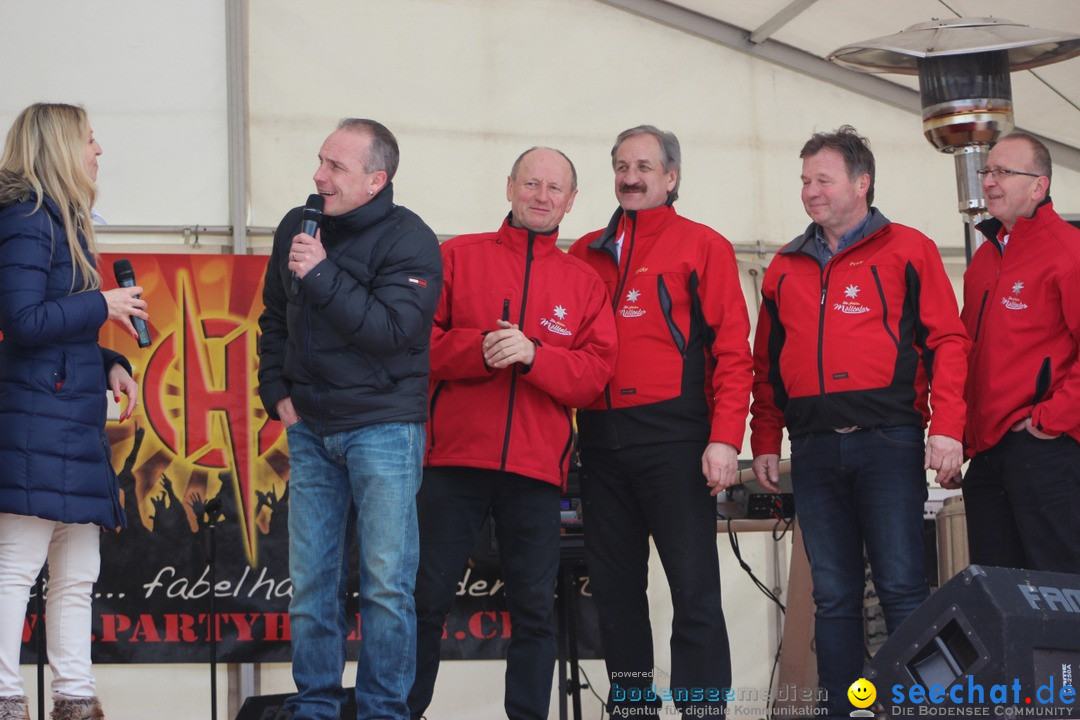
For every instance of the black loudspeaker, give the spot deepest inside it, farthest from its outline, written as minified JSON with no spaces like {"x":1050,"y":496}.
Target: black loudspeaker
{"x":272,"y":707}
{"x":991,"y":641}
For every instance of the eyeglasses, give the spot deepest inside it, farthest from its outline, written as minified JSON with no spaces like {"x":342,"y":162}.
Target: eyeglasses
{"x":999,"y":173}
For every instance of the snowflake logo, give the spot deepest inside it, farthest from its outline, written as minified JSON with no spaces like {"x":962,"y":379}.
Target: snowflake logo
{"x":1017,"y":287}
{"x":560,"y":312}
{"x":851,"y":291}
{"x":633,"y":295}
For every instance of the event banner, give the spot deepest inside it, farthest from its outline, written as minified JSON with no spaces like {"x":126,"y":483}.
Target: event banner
{"x":204,"y":473}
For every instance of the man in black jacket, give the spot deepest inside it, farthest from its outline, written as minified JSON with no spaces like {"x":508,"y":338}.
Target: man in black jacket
{"x":344,"y":365}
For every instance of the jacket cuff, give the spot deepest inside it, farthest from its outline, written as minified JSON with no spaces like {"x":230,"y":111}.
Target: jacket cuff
{"x":111,"y":357}
{"x":952,"y":431}
{"x":760,"y":445}
{"x":718,"y":435}
{"x":1042,"y":419}
{"x":271,"y":396}
{"x":536,"y":350}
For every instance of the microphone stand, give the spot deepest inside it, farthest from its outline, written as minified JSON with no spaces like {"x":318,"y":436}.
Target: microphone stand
{"x":213,"y":506}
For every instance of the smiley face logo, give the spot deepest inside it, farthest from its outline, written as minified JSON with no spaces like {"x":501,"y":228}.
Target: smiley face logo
{"x":862,"y":693}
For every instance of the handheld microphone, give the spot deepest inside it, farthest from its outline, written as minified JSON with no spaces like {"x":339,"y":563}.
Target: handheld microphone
{"x":309,"y":225}
{"x":125,"y":277}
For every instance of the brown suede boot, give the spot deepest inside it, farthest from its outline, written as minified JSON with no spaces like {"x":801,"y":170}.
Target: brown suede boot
{"x":70,"y":708}
{"x":14,"y":708}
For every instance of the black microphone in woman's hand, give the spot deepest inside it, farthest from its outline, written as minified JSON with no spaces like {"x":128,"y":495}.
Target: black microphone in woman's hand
{"x":125,"y":277}
{"x":309,"y":225}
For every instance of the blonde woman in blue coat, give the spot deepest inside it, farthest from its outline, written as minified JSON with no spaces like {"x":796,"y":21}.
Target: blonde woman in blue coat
{"x":57,"y":485}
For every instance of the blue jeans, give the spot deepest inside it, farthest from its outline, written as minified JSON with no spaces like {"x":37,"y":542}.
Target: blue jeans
{"x":374,"y":471}
{"x":864,"y":488}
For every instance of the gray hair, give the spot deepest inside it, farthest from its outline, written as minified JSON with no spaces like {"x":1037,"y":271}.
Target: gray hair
{"x":670,"y":153}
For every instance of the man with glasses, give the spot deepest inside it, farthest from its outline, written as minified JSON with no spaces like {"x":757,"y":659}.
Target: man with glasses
{"x":858,"y":337}
{"x":1022,"y":309}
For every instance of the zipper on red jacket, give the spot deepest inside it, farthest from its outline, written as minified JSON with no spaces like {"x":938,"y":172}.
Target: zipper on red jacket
{"x":978,"y":321}
{"x":826,"y":272}
{"x":884,"y":307}
{"x":628,"y":248}
{"x":982,"y":306}
{"x":975,"y":350}
{"x":1042,"y":383}
{"x":620,"y":284}
{"x":514,"y":370}
{"x":664,"y":297}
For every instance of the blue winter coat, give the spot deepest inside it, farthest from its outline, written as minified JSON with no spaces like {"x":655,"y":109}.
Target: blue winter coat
{"x":55,"y":459}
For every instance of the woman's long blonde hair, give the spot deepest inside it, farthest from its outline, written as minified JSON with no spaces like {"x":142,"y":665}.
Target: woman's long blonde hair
{"x":44,"y":155}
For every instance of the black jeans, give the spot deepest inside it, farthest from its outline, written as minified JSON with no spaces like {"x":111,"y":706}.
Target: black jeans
{"x":1022,"y":499}
{"x":628,"y":494}
{"x":452,"y":505}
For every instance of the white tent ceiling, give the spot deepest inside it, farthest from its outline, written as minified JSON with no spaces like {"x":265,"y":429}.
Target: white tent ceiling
{"x":801,"y":33}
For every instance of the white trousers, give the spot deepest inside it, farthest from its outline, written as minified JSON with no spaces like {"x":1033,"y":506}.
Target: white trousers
{"x":73,"y":552}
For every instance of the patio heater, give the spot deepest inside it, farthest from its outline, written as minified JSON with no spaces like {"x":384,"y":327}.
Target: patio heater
{"x":963,"y":66}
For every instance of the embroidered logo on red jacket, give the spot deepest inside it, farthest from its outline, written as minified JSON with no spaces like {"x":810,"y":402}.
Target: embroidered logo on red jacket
{"x":556,"y":324}
{"x":1014,"y":302}
{"x":851,"y":306}
{"x":631,"y":309}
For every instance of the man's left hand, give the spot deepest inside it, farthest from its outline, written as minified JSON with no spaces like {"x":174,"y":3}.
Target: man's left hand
{"x":945,"y":455}
{"x":507,"y":345}
{"x":720,"y":465}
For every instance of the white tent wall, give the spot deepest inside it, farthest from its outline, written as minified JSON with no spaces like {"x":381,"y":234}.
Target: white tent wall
{"x":469,"y":84}
{"x":466,"y":85}
{"x":151,"y":75}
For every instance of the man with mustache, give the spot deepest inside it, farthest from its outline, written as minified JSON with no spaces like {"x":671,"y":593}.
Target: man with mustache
{"x":664,"y":438}
{"x":1022,"y":310}
{"x":858,"y":337}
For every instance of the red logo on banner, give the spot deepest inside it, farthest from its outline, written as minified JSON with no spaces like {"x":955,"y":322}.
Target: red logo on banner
{"x":199,"y":383}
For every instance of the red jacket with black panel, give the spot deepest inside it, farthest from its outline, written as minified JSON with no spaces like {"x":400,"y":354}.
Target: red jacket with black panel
{"x":860,"y":342}
{"x":684,"y":368}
